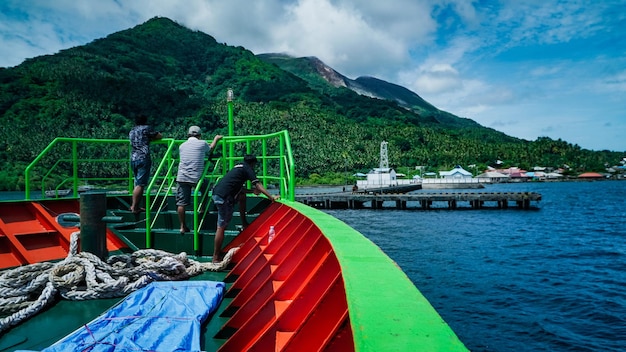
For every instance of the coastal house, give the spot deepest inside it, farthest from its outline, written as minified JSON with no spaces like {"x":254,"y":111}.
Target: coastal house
{"x":553,"y":176}
{"x":590,"y":175}
{"x":457,"y":173}
{"x":455,"y":178}
{"x":381,"y":177}
{"x":493,"y":177}
{"x":515,"y":174}
{"x":536,"y":175}
{"x":519,"y":176}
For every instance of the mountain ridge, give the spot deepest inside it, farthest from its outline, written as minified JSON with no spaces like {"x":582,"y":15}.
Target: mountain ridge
{"x":179,"y":77}
{"x":365,"y":85}
{"x":368,"y":86}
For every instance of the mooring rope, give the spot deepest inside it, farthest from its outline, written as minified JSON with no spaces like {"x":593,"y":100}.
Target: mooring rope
{"x":25,"y":290}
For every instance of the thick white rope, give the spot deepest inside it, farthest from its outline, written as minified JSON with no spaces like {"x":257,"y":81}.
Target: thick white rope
{"x":82,"y":276}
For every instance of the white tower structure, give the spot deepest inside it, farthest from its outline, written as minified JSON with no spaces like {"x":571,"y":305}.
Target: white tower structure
{"x":384,"y":159}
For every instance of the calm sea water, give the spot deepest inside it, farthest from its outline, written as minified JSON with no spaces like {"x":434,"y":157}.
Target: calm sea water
{"x":550,"y":279}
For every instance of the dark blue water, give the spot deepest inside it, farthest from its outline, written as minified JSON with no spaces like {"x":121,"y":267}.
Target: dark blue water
{"x":551,"y":279}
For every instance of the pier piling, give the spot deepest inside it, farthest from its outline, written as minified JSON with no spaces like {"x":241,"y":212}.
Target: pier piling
{"x":424,"y":201}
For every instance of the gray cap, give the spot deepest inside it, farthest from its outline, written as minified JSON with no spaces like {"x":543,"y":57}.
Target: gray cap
{"x":195,"y":131}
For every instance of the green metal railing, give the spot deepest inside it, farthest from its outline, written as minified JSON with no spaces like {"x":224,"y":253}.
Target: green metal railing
{"x":275,"y":159}
{"x":69,"y":164}
{"x":60,"y":166}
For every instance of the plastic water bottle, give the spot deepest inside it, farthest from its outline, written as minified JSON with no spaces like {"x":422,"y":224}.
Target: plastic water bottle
{"x":271,"y":234}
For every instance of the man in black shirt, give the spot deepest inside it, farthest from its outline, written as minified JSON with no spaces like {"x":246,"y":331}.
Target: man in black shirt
{"x":227,"y":190}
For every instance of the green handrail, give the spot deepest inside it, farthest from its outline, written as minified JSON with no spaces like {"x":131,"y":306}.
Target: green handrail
{"x":163,"y":187}
{"x":272,"y":150}
{"x":67,"y":177}
{"x":282,"y":153}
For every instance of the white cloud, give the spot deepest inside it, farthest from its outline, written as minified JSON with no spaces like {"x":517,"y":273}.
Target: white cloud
{"x":438,"y":78}
{"x":503,"y":64}
{"x":408,"y":21}
{"x":340,"y":36}
{"x":542,"y":71}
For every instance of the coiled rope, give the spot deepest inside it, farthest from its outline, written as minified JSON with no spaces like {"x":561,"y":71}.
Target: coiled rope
{"x":26,"y":290}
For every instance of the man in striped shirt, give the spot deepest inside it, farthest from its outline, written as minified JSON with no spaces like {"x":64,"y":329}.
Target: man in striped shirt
{"x":140,"y":137}
{"x":190,"y":168}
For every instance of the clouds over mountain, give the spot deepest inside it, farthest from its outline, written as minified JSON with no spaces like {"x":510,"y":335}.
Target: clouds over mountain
{"x":475,"y":60}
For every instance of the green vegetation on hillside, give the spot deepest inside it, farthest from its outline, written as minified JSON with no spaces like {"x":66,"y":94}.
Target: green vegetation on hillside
{"x":179,"y":77}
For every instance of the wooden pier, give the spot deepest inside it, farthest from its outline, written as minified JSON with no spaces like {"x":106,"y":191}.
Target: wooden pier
{"x":425,"y":201}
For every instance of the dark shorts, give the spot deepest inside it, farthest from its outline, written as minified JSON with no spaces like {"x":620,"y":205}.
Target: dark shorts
{"x":141,"y":170}
{"x":225,"y":208}
{"x":183,"y":193}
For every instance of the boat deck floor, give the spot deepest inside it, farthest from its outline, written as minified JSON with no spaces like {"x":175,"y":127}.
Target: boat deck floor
{"x":63,"y":317}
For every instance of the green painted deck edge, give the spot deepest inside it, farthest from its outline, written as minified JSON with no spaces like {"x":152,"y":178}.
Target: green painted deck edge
{"x":387,"y":311}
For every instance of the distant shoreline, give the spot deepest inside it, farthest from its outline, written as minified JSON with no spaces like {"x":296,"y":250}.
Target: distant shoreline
{"x":19,"y":195}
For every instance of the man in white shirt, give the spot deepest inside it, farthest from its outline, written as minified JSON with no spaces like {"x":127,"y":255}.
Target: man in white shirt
{"x":190,"y":167}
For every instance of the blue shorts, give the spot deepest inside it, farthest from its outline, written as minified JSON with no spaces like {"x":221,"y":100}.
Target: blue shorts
{"x":225,"y":208}
{"x":141,"y":170}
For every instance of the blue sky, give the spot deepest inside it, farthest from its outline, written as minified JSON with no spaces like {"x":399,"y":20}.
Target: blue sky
{"x":527,"y":68}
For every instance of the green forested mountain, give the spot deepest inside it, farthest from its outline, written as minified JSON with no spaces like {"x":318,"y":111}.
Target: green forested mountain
{"x":179,"y":77}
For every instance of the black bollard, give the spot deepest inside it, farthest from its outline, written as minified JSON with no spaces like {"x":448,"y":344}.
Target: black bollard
{"x":92,"y":226}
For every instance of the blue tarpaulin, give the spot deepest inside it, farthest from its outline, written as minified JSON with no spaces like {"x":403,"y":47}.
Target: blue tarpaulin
{"x":163,"y":316}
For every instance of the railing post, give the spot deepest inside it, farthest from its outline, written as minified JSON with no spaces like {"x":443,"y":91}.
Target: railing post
{"x":281,"y":163}
{"x":131,"y":178}
{"x":264,"y":165}
{"x":75,"y":168}
{"x":148,"y":221}
{"x":231,"y":127}
{"x":27,"y":183}
{"x":292,"y":168}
